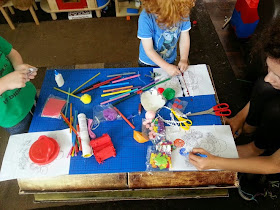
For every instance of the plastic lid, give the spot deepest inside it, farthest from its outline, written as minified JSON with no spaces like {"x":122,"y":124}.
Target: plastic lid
{"x":44,"y":150}
{"x":56,"y":73}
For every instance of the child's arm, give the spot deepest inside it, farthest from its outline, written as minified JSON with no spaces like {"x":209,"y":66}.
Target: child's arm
{"x":256,"y":165}
{"x":171,"y":69}
{"x":13,"y":80}
{"x":17,"y":62}
{"x":184,"y":45}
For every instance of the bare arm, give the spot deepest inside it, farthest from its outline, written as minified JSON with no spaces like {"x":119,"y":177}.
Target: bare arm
{"x":15,"y":58}
{"x":155,"y":57}
{"x":256,"y":165}
{"x":19,"y":77}
{"x":184,"y":45}
{"x":237,"y":122}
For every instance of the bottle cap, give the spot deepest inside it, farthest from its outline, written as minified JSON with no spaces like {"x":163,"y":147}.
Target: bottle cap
{"x":56,"y":73}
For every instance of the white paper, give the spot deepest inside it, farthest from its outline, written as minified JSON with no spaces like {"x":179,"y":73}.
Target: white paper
{"x":216,"y":139}
{"x":173,"y":83}
{"x":198,"y":81}
{"x":17,"y":164}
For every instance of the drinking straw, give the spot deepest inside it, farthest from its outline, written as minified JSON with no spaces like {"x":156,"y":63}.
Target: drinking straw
{"x":86,"y":82}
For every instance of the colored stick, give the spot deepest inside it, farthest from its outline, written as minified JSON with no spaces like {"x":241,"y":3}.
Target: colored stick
{"x":87,"y":87}
{"x":85,"y":82}
{"x":125,"y":119}
{"x":105,"y":102}
{"x":126,"y":78}
{"x":112,"y":85}
{"x":68,"y":123}
{"x":114,"y":93}
{"x":67,"y":102}
{"x":143,"y":88}
{"x":127,"y":73}
{"x":70,"y":117}
{"x":101,"y":83}
{"x":120,"y":88}
{"x":67,"y":93}
{"x":131,"y":91}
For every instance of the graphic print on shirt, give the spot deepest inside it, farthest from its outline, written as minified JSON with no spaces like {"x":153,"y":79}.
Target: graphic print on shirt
{"x":168,"y":41}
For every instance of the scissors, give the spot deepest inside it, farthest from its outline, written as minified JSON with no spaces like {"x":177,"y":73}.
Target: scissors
{"x":218,"y":110}
{"x":183,"y":122}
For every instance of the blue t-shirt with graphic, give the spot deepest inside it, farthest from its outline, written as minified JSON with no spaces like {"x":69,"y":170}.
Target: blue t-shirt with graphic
{"x":164,"y":40}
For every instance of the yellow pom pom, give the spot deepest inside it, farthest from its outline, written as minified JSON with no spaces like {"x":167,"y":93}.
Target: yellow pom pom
{"x":86,"y":98}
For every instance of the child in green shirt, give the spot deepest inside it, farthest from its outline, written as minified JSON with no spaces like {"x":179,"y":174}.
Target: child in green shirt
{"x":17,"y":94}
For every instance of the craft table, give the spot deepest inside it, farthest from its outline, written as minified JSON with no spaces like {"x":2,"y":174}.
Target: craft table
{"x":122,"y":177}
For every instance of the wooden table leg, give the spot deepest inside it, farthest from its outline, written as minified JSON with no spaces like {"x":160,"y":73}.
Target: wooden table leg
{"x":34,"y":15}
{"x":54,"y":17}
{"x":35,"y":5}
{"x":98,"y":13}
{"x":11,"y":10}
{"x":6,"y":16}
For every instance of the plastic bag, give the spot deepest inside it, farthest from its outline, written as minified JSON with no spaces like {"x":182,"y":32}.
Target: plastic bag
{"x":155,"y":130}
{"x":178,"y":105}
{"x":103,"y":113}
{"x":157,"y":161}
{"x":53,"y":106}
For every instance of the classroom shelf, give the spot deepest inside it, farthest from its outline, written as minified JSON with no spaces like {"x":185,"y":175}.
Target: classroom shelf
{"x":121,"y":8}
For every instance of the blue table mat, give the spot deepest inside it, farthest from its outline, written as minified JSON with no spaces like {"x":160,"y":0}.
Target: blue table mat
{"x":131,"y":156}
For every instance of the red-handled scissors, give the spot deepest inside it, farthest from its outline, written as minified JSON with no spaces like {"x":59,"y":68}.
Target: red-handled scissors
{"x":218,"y":110}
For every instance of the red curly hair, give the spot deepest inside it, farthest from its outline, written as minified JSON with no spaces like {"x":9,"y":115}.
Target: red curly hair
{"x":169,"y":12}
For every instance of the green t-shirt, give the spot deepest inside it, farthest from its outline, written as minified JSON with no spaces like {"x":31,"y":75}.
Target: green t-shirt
{"x":14,"y":104}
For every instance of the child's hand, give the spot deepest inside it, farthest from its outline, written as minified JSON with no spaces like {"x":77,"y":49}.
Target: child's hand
{"x":31,"y":75}
{"x":172,"y":70}
{"x":183,"y":65}
{"x":15,"y":79}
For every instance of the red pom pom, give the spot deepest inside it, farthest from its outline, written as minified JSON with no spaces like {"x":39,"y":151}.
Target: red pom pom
{"x":160,"y":90}
{"x":194,"y":22}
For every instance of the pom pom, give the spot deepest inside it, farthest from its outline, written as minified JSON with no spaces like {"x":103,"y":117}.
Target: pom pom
{"x":86,"y":98}
{"x":169,"y":93}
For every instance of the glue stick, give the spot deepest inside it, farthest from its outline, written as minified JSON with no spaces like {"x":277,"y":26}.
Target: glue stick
{"x":87,"y":150}
{"x":59,"y":79}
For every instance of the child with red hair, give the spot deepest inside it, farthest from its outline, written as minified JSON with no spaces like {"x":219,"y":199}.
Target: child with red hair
{"x":161,"y":25}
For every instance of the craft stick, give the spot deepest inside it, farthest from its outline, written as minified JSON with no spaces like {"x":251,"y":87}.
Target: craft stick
{"x":67,"y":93}
{"x":126,"y":78}
{"x":131,"y":91}
{"x":67,"y":102}
{"x":101,"y":83}
{"x":85,"y":82}
{"x":110,"y":100}
{"x":120,"y":88}
{"x":68,"y":123}
{"x":143,"y":88}
{"x":127,"y":73}
{"x":156,"y":84}
{"x":125,"y":119}
{"x":70,"y":117}
{"x":114,"y":93}
{"x":87,"y":87}
{"x":112,"y":85}
{"x":79,"y":138}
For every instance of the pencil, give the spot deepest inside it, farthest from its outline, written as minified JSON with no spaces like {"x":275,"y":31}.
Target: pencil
{"x":139,"y":109}
{"x":125,"y":119}
{"x":85,"y":82}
